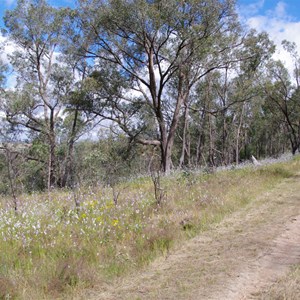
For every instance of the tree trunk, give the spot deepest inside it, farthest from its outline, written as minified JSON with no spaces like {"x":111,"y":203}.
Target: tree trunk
{"x":52,"y":155}
{"x":11,"y":178}
{"x":237,"y":145}
{"x":185,"y":149}
{"x":224,"y":140}
{"x":68,"y":175}
{"x":201,"y":138}
{"x":167,"y":157}
{"x":167,"y":139}
{"x":51,"y":166}
{"x":211,"y":158}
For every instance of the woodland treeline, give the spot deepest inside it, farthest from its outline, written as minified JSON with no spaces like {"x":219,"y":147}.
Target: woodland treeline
{"x":167,"y":84}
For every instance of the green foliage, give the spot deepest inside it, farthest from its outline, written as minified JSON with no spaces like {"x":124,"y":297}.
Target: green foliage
{"x":3,"y":70}
{"x":177,"y":78}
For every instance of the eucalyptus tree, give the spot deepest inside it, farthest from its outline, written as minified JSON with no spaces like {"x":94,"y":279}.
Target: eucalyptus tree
{"x":2,"y":73}
{"x":76,"y":122}
{"x":245,"y":92}
{"x":282,"y":101}
{"x":35,"y":104}
{"x":281,"y":87}
{"x":221,"y":104}
{"x":150,"y":45}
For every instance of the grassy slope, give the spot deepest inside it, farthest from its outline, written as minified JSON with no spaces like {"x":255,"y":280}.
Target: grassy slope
{"x":51,"y":250}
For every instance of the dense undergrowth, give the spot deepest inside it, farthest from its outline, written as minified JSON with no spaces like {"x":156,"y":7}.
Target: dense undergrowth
{"x":51,"y":249}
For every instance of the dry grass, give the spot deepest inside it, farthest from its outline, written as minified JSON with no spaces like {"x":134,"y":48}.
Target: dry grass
{"x":52,"y":250}
{"x":287,"y":288}
{"x":7,"y":289}
{"x":219,"y":263}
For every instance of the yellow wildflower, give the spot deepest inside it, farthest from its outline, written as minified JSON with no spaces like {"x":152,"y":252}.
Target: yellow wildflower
{"x":115,"y":222}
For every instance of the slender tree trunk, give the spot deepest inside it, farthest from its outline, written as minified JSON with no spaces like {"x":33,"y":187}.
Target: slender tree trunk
{"x":51,"y":166}
{"x":237,"y":145}
{"x":188,"y":148}
{"x":52,"y":154}
{"x":167,"y":146}
{"x":68,"y":176}
{"x":200,"y":143}
{"x":224,"y":92}
{"x":11,"y":179}
{"x":225,"y":147}
{"x":156,"y":103}
{"x":167,"y":157}
{"x":211,"y":142}
{"x":201,"y":138}
{"x":294,"y":147}
{"x":185,"y":148}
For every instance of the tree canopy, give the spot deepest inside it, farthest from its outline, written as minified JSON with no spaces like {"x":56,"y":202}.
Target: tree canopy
{"x":181,"y":83}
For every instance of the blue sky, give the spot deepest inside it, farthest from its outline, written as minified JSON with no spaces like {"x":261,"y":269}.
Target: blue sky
{"x":9,"y":4}
{"x":281,"y":19}
{"x":247,"y":8}
{"x":262,"y":7}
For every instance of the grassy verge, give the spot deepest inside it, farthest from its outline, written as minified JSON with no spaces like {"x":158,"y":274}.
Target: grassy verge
{"x":287,"y":288}
{"x":53,"y":250}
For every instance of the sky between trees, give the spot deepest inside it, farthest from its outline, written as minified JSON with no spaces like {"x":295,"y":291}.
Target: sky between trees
{"x":281,"y":19}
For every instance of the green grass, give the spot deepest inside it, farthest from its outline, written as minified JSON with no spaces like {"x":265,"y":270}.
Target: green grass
{"x":52,"y":250}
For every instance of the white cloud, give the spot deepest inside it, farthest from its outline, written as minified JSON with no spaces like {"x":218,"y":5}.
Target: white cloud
{"x":6,"y":49}
{"x":251,"y":9}
{"x":279,"y":25}
{"x":9,"y":2}
{"x":280,"y":10}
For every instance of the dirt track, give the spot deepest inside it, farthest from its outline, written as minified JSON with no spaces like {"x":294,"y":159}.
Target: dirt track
{"x":258,"y":275}
{"x":237,"y":259}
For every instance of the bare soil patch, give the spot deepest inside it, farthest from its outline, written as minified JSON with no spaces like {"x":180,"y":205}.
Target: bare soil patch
{"x":259,"y":275}
{"x":238,"y":258}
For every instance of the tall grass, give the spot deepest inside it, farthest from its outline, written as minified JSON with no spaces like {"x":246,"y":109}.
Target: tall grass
{"x":50,"y":249}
